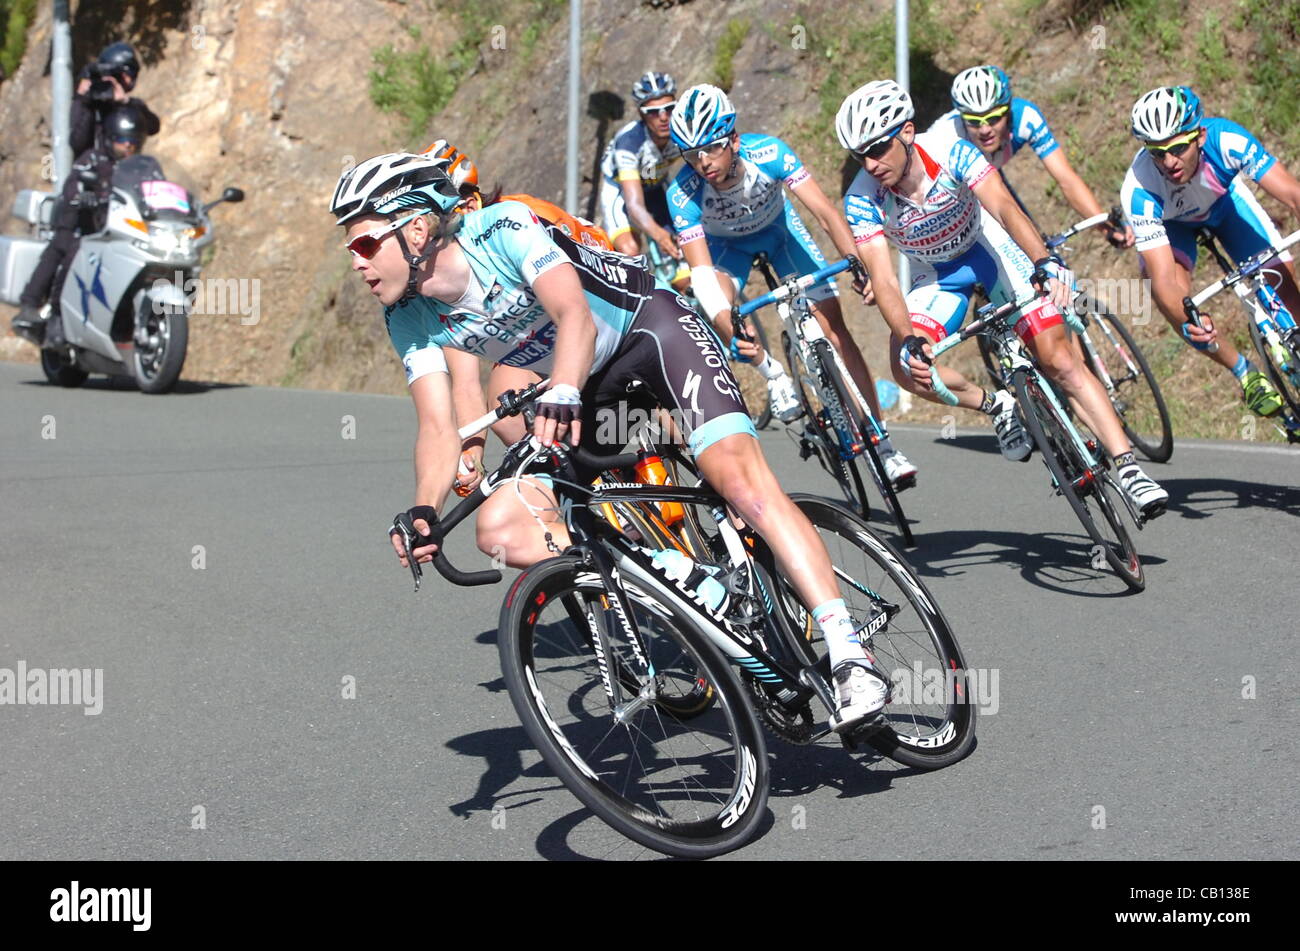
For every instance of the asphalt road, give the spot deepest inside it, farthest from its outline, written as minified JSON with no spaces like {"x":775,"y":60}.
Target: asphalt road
{"x":1168,"y":717}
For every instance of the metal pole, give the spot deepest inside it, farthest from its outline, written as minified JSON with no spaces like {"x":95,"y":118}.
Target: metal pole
{"x":903,"y":78}
{"x":61,"y":91}
{"x":575,"y":70}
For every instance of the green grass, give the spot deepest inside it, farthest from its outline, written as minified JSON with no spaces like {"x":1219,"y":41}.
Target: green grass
{"x":732,"y":39}
{"x":15,"y":18}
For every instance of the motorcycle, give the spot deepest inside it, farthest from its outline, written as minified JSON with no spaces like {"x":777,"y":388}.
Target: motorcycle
{"x":124,"y":305}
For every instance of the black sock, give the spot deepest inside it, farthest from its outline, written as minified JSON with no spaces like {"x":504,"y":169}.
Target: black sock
{"x":1125,"y":459}
{"x":987,"y":404}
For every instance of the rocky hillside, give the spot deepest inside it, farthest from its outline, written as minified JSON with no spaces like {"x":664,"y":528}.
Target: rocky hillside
{"x":278,"y":96}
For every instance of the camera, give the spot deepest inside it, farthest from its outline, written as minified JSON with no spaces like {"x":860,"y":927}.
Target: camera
{"x":101,"y":90}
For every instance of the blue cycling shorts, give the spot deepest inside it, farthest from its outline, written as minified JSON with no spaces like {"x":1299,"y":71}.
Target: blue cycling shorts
{"x":788,"y":246}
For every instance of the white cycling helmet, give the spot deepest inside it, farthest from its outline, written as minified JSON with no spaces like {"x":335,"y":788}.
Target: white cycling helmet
{"x":391,"y":182}
{"x":871,"y":112}
{"x":653,"y":85}
{"x":980,"y":89}
{"x":704,"y":114}
{"x":1165,"y":112}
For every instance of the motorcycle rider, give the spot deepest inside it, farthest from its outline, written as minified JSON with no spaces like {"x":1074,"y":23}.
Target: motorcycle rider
{"x":82,"y":209}
{"x":103,"y":86}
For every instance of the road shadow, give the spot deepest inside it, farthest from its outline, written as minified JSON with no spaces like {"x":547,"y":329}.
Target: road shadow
{"x":126,"y":384}
{"x":1201,"y":498}
{"x":1053,"y":561}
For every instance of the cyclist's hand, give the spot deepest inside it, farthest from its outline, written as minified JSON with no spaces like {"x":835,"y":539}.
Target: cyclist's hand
{"x":915,"y":356}
{"x":420,"y":516}
{"x":668,"y":246}
{"x":1202,"y":337}
{"x":559,"y":412}
{"x":746,"y":351}
{"x":1119,"y":237}
{"x":470,"y":471}
{"x":862,"y":285}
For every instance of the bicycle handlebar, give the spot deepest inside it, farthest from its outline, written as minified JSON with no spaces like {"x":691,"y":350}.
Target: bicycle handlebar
{"x":791,"y":287}
{"x":986,"y":317}
{"x":1245,"y":270}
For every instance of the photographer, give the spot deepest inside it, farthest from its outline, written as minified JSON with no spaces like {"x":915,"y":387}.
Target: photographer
{"x":82,"y":209}
{"x":102,"y":86}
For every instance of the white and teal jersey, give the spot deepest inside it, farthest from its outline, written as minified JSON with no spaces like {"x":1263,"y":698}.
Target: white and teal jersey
{"x":499,"y":318}
{"x":1028,"y":127}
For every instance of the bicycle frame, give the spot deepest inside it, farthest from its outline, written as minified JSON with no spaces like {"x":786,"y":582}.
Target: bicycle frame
{"x":1251,"y":279}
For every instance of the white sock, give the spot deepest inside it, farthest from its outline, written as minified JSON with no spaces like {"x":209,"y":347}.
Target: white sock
{"x":770,"y":369}
{"x":838,"y":631}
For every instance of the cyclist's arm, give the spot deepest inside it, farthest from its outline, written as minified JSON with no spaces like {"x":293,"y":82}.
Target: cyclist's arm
{"x":559,"y":291}
{"x":437,"y":448}
{"x":1075,"y":189}
{"x":993,"y":195}
{"x":466,"y":392}
{"x":828,"y":216}
{"x":639,"y":215}
{"x":1169,"y":282}
{"x":877,"y":258}
{"x":1282,"y":185}
{"x":707,"y":284}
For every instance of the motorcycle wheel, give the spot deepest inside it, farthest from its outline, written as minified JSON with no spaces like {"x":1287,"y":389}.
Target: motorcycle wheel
{"x":158,"y":364}
{"x":59,"y":372}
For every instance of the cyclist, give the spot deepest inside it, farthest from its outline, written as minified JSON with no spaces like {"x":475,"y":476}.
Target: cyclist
{"x":634,"y":167}
{"x":1188,"y":175}
{"x":948,"y":212}
{"x":496,"y":284}
{"x":728,"y":205}
{"x":985,"y":114}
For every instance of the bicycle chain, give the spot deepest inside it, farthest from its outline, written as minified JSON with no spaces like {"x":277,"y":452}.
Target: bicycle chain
{"x":793,"y":726}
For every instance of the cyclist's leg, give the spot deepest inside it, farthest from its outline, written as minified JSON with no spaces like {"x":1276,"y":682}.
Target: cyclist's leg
{"x":937,"y":303}
{"x":675,"y":353}
{"x":615,"y":220}
{"x":1182,"y":242}
{"x":513,"y":523}
{"x":795,"y":253}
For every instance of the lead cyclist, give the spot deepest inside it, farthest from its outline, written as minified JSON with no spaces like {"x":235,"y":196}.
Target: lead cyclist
{"x":496,"y":284}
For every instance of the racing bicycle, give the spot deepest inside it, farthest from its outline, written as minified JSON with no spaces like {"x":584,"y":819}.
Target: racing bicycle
{"x":839,"y":428}
{"x":644,"y":693}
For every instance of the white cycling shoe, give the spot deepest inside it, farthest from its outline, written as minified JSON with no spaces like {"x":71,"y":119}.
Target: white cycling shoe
{"x":782,"y":399}
{"x":1012,"y":438}
{"x":1147,"y":495}
{"x":862,"y":693}
{"x":900,"y":472}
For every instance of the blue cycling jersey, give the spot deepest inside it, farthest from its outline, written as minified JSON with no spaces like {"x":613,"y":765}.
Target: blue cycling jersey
{"x":499,"y":317}
{"x":1028,"y":127}
{"x":1149,"y":199}
{"x":756,"y":201}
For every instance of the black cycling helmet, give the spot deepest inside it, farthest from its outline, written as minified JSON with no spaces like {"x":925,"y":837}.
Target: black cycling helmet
{"x":122,"y":57}
{"x":124,"y":124}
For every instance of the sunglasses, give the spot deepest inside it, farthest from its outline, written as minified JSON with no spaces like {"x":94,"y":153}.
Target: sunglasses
{"x":712,"y":149}
{"x":654,"y":110}
{"x":987,"y":119}
{"x":1177,"y":147}
{"x":367,"y":245}
{"x":878,"y":148}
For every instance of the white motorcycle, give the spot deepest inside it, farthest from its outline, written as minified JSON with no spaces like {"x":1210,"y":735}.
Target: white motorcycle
{"x":123,"y":305}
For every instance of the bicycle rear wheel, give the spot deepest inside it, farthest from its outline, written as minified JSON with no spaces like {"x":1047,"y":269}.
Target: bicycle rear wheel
{"x":1133,"y":389}
{"x":930,"y":719}
{"x":692,"y":786}
{"x":1077,"y":480}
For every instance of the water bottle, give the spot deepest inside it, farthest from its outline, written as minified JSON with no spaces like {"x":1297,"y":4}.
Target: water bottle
{"x":678,"y":568}
{"x":887,"y":394}
{"x":650,"y":470}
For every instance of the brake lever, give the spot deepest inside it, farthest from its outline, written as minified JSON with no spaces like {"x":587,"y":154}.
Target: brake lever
{"x":402,"y":525}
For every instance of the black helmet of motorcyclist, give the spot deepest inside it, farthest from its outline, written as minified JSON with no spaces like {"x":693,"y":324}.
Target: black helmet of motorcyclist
{"x":124,"y":131}
{"x":123,"y":61}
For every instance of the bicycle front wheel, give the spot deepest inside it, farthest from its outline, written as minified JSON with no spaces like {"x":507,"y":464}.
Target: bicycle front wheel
{"x":1280,"y":366}
{"x":1132,"y":389}
{"x":1077,"y":480}
{"x":687,"y":785}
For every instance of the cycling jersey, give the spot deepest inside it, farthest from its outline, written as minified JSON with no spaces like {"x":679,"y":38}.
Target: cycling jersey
{"x":499,"y":317}
{"x":1028,"y":127}
{"x":613,"y":208}
{"x":953,"y":242}
{"x":579,"y":229}
{"x":632,"y":154}
{"x":1151,"y":202}
{"x":947,"y":221}
{"x":752,"y":204}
